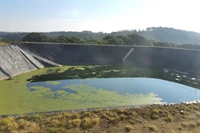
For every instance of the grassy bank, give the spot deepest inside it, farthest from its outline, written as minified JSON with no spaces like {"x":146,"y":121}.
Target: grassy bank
{"x":176,"y":118}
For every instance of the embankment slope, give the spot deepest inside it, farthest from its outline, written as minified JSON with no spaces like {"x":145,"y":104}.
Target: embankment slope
{"x":178,"y":59}
{"x":20,"y":58}
{"x":14,"y":61}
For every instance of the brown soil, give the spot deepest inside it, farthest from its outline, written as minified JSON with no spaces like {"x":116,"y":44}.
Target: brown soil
{"x":177,"y":118}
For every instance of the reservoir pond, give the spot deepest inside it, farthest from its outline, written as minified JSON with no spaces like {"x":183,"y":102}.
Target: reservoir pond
{"x":131,"y":91}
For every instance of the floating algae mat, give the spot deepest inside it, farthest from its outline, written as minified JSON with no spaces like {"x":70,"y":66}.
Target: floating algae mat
{"x":20,"y":96}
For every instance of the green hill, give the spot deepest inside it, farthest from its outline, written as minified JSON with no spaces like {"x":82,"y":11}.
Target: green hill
{"x":158,"y":34}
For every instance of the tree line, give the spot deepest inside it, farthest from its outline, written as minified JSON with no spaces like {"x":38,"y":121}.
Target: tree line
{"x":158,"y":34}
{"x":132,"y":39}
{"x":129,"y":39}
{"x":108,"y":39}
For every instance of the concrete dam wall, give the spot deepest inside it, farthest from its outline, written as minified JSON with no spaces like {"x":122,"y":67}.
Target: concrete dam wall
{"x":14,"y":61}
{"x":178,"y":59}
{"x":60,"y":54}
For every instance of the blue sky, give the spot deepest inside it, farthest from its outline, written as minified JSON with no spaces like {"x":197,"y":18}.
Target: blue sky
{"x":98,"y":15}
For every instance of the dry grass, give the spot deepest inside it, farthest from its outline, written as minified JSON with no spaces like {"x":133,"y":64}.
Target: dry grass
{"x":128,"y":128}
{"x":189,"y":124}
{"x":87,"y":123}
{"x":3,"y":43}
{"x":152,"y":128}
{"x":155,"y":118}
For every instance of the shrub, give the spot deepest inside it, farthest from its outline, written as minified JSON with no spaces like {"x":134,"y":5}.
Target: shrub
{"x":95,"y":120}
{"x":75,"y":115}
{"x":98,"y":111}
{"x":113,"y":120}
{"x":86,"y":114}
{"x":74,"y":123}
{"x":188,"y":125}
{"x":153,"y":128}
{"x":198,"y":123}
{"x":4,"y":122}
{"x":122,"y":117}
{"x":169,"y":118}
{"x":128,"y":128}
{"x":87,"y":123}
{"x":132,"y":122}
{"x":154,"y":116}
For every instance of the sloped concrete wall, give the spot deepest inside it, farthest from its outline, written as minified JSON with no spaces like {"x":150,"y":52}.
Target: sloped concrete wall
{"x":179,"y":59}
{"x":14,"y":61}
{"x":20,"y":58}
{"x":76,"y":54}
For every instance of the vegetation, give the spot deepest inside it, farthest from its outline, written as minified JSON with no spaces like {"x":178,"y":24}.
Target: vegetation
{"x":165,"y":34}
{"x":3,"y":43}
{"x":79,"y":96}
{"x":27,"y":98}
{"x":185,"y":118}
{"x":159,"y":37}
{"x":154,"y":118}
{"x":35,"y":37}
{"x":130,"y":39}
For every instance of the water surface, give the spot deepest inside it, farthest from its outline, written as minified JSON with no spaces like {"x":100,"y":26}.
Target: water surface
{"x":168,"y":91}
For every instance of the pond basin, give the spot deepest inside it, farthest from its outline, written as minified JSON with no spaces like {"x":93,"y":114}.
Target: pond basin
{"x":161,"y":91}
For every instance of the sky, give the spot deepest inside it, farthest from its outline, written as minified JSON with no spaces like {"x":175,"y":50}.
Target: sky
{"x":98,"y":15}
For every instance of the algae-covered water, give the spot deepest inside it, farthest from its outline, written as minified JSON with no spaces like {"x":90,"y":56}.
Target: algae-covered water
{"x":18,"y":95}
{"x":129,"y":91}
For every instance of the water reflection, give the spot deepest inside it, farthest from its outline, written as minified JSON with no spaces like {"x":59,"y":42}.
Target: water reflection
{"x":168,"y":91}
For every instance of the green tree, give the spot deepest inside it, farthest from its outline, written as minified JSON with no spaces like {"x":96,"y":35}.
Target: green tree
{"x":35,"y":37}
{"x":113,"y":40}
{"x":135,"y":39}
{"x":62,"y":39}
{"x":108,"y":37}
{"x":76,"y":40}
{"x":124,"y":38}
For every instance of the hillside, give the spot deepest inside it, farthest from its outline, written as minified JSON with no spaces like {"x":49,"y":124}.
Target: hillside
{"x":172,"y":35}
{"x":159,"y":34}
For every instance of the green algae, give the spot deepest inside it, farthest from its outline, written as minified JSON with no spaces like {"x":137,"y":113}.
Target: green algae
{"x":110,"y":98}
{"x":63,"y":69}
{"x":90,"y":97}
{"x":53,"y":82}
{"x":16,"y":97}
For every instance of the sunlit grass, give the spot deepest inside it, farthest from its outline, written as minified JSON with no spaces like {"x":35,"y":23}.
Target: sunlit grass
{"x":110,"y":120}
